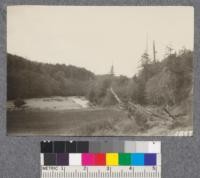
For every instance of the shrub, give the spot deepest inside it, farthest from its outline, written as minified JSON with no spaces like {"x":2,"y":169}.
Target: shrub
{"x":19,"y":102}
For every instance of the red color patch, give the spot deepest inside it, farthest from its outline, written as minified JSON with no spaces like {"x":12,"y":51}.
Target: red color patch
{"x":100,"y":159}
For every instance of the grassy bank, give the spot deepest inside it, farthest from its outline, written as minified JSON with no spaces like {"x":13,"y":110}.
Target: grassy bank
{"x":73,"y":122}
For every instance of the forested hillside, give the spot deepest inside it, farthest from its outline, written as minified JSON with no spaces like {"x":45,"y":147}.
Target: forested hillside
{"x":165,"y":82}
{"x":155,"y":101}
{"x":168,"y":81}
{"x":27,"y":79}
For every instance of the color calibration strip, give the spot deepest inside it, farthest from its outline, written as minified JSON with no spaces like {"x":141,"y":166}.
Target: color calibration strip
{"x":84,"y":153}
{"x":100,"y":159}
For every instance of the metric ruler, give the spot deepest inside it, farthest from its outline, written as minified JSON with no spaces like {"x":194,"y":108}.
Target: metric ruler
{"x":83,"y":159}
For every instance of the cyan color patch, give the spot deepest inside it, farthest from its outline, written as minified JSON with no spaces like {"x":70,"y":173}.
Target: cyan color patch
{"x":137,"y":159}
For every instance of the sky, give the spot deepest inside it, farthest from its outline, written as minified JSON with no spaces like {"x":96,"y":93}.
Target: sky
{"x":95,"y":37}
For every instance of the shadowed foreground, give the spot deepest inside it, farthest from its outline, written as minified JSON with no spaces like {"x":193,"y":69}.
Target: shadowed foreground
{"x":72,"y":122}
{"x":84,"y":122}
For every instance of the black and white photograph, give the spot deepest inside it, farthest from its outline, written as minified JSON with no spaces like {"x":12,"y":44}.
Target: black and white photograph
{"x":100,"y":70}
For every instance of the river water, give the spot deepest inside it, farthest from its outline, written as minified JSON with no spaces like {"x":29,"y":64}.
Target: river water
{"x":53,"y":103}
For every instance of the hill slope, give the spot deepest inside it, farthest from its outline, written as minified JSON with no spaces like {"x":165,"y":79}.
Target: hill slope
{"x":28,"y":79}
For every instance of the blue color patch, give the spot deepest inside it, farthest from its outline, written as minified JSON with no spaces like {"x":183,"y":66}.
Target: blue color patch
{"x":150,"y":159}
{"x":137,"y":159}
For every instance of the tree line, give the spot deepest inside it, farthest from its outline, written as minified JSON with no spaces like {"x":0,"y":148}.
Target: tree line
{"x":28,"y":79}
{"x":168,"y":81}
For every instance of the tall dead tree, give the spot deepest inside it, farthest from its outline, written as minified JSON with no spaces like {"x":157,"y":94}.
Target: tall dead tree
{"x":154,"y":52}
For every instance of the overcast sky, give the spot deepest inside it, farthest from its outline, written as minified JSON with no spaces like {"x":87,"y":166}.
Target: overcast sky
{"x":95,"y":37}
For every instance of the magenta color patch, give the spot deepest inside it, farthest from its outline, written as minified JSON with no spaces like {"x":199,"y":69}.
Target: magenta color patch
{"x":88,"y":159}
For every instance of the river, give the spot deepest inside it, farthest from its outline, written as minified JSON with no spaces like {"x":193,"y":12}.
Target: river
{"x":52,"y":103}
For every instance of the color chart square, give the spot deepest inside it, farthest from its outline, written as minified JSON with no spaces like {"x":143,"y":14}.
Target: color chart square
{"x":150,"y":159}
{"x":129,"y":146}
{"x":46,"y":147}
{"x":82,"y":147}
{"x":70,"y":147}
{"x":49,"y":159}
{"x":62,"y":159}
{"x":75,"y":159}
{"x":112,"y":159}
{"x":59,"y":147}
{"x":88,"y":159}
{"x":100,"y":159}
{"x":154,"y":147}
{"x":124,"y":159}
{"x":137,"y":159}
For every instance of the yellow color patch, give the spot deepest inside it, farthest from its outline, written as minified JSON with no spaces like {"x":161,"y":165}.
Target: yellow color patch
{"x":112,"y":159}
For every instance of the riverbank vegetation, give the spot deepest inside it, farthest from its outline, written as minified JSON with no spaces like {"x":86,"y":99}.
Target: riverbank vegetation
{"x":164,"y":82}
{"x":160,"y":91}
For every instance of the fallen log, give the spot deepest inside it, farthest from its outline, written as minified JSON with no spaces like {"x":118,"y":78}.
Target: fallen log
{"x":170,"y":115}
{"x":139,"y":113}
{"x":115,"y":95}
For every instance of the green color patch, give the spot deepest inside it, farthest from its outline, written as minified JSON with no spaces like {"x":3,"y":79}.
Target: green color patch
{"x":124,"y":159}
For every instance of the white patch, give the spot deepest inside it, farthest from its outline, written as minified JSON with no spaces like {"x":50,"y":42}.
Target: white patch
{"x":75,"y":159}
{"x":154,"y":147}
{"x":41,"y":159}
